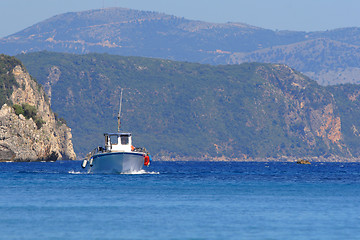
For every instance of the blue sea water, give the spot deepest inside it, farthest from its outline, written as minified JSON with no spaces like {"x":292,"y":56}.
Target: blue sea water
{"x":181,"y":200}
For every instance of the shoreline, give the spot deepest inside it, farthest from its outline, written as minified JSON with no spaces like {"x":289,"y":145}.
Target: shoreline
{"x":283,"y":159}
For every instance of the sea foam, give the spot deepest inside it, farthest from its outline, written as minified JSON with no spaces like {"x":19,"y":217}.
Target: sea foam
{"x":142,"y":171}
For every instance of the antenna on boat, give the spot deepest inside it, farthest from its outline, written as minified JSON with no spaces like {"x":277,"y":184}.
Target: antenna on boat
{"x":120,"y":110}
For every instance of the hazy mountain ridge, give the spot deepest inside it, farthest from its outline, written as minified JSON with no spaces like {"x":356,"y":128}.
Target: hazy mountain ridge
{"x":327,"y":60}
{"x":150,"y":34}
{"x":131,"y":32}
{"x":179,"y":109}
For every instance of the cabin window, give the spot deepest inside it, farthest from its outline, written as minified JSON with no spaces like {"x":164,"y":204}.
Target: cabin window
{"x":124,"y":140}
{"x":114,"y":139}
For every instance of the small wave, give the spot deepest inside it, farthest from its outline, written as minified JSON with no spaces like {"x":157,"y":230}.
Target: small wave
{"x":74,"y":172}
{"x":140,"y":172}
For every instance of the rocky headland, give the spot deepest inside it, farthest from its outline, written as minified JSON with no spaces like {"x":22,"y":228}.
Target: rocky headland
{"x":41,"y":137}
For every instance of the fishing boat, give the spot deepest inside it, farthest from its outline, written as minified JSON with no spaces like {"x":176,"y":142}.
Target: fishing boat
{"x":118,"y":154}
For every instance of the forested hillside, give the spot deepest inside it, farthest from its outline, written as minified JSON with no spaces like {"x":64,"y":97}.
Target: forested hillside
{"x":180,"y":109}
{"x":7,"y":81}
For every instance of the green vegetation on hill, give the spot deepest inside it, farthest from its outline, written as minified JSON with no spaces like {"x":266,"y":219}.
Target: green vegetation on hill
{"x":29,"y":111}
{"x":7,"y":80}
{"x":188,"y":109}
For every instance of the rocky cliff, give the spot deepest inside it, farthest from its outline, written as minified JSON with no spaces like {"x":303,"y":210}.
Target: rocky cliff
{"x":40,"y":137}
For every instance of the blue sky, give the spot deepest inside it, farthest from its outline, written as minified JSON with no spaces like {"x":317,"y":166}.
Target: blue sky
{"x":304,"y":15}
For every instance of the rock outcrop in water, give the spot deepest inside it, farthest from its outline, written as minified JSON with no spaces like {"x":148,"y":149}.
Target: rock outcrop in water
{"x":302,"y":161}
{"x":40,"y":137}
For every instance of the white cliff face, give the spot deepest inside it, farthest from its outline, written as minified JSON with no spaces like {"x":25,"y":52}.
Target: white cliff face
{"x":20,"y":138}
{"x":53,"y":78}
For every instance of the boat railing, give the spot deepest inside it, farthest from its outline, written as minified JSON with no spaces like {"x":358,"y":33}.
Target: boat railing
{"x":140,"y":149}
{"x":89,"y":156}
{"x":95,"y":151}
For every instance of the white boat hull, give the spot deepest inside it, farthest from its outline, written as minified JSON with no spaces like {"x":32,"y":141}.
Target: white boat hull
{"x":117,"y":162}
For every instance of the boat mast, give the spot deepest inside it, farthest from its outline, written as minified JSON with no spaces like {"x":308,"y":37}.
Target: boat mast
{"x":119,"y":110}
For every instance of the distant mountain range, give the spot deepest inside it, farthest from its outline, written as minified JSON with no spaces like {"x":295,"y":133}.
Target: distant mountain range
{"x":200,"y":111}
{"x":329,"y":57}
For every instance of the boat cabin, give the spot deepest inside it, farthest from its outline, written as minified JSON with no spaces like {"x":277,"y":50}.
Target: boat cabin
{"x":118,"y":142}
